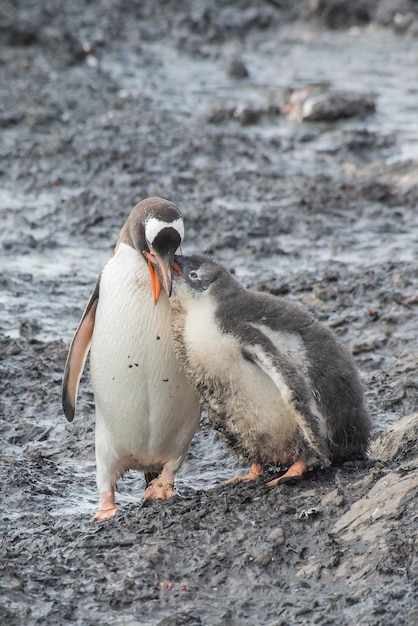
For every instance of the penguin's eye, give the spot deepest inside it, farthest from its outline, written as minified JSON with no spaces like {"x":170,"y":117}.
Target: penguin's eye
{"x":194,"y":275}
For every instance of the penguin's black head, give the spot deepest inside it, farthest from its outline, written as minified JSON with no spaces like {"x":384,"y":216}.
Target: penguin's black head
{"x":156,"y":229}
{"x":198,"y":271}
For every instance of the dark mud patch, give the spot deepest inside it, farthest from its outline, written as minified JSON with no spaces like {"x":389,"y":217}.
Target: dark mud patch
{"x":104,"y":104}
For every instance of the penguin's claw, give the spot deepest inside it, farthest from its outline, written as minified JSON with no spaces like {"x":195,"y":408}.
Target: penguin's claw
{"x":158,"y":491}
{"x":107,"y":507}
{"x":105,"y":514}
{"x":255,"y":472}
{"x":162,"y":487}
{"x":295,"y":471}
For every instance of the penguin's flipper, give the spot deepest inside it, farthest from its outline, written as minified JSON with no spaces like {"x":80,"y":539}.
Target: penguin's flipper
{"x":77,"y":355}
{"x":293,"y":390}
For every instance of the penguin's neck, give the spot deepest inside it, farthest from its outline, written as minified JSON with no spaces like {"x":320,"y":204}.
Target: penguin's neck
{"x":127,"y":263}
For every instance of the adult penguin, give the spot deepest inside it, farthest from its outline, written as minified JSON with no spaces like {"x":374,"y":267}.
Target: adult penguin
{"x":280,"y":388}
{"x":146,"y":411}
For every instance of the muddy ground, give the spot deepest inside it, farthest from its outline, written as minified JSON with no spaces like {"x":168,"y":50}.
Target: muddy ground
{"x":107,"y":102}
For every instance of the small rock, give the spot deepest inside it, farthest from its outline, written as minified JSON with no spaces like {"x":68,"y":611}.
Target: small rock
{"x":247,"y":115}
{"x":237,"y":69}
{"x":264,"y":557}
{"x":29,"y":328}
{"x":152,"y":554}
{"x":338,"y":14}
{"x":181,"y":619}
{"x":314,"y":303}
{"x":11,"y":118}
{"x":244,"y":114}
{"x":334,"y":498}
{"x":277,"y":536}
{"x":314,"y":105}
{"x":403,"y":21}
{"x":397,"y":441}
{"x":324,"y":293}
{"x":312,"y":566}
{"x":14,"y":349}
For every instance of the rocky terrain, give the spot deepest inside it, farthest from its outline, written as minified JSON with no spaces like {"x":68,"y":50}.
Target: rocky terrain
{"x":287,"y":134}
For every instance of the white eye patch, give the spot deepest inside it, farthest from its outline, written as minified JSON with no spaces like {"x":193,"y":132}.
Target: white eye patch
{"x":195,"y":275}
{"x":153,"y":226}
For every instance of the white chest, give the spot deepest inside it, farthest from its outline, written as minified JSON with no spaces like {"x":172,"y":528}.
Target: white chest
{"x":239,"y":390}
{"x":140,"y":391}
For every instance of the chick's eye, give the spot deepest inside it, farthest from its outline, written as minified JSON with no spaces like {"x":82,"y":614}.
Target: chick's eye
{"x":194,"y":275}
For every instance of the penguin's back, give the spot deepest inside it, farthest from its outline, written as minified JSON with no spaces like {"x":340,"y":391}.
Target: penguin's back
{"x":312,"y":350}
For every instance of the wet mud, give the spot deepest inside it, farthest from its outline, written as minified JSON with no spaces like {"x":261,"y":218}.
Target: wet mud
{"x":105,"y":103}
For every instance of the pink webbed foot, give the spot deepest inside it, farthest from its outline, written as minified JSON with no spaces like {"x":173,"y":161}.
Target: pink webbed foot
{"x":162,"y":487}
{"x":107,"y":507}
{"x":255,"y":472}
{"x":297,"y":470}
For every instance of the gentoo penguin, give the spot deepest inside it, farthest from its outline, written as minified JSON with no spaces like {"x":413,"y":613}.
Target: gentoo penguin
{"x":146,"y":411}
{"x":279,"y":386}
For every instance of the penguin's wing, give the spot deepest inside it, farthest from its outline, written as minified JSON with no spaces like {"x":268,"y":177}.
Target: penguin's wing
{"x":77,"y":355}
{"x":293,"y":386}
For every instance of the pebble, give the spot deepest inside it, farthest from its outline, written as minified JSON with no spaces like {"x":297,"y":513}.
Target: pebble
{"x":237,"y":69}
{"x":315,"y":105}
{"x":277,"y":536}
{"x":334,"y":497}
{"x":264,"y":557}
{"x":152,"y":554}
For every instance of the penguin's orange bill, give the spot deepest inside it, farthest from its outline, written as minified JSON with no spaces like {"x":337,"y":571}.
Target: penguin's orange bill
{"x":155,"y":280}
{"x":153,"y":264}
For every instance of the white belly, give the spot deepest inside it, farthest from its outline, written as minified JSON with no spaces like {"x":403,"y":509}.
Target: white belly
{"x":146,"y":412}
{"x":251,"y":405}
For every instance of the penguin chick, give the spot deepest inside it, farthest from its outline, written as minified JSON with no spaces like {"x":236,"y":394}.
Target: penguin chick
{"x":279,"y":386}
{"x":146,"y":411}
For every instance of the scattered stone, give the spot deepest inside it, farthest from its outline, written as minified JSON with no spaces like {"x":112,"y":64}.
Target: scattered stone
{"x":315,"y":303}
{"x":29,"y":328}
{"x":367,"y":518}
{"x":333,"y":498}
{"x":181,"y":619}
{"x":152,"y":554}
{"x":246,"y":115}
{"x":277,"y":536}
{"x":11,"y":118}
{"x":264,"y":557}
{"x":315,"y":105}
{"x":397,"y":442}
{"x":339,"y":14}
{"x":237,"y":69}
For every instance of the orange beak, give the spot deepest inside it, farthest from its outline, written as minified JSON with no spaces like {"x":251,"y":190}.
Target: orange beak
{"x":164,"y":274}
{"x":155,"y":281}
